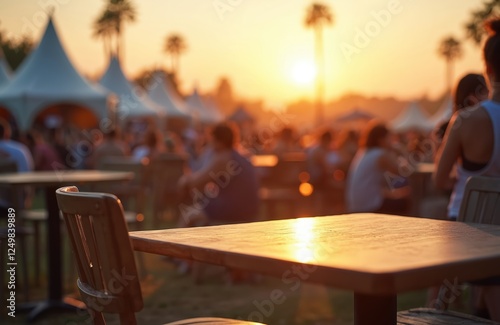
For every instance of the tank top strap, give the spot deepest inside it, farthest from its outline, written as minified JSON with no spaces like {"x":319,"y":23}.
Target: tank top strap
{"x":493,"y":110}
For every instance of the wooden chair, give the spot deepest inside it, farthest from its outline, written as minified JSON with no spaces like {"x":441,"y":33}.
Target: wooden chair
{"x":166,"y":170}
{"x":108,"y":279}
{"x":480,"y":204}
{"x":481,"y":201}
{"x":133,"y":193}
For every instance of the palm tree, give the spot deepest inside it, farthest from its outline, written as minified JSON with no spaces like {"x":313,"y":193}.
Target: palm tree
{"x":110,"y":23}
{"x":450,"y":49}
{"x":474,"y":27}
{"x":319,"y":15}
{"x":175,"y":46}
{"x":103,"y":28}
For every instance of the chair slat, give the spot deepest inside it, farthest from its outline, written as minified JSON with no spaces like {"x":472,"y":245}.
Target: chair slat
{"x":88,"y":237}
{"x":480,"y":203}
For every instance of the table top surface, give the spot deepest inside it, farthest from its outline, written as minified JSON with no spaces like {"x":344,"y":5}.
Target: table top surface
{"x":64,"y":177}
{"x":367,"y":253}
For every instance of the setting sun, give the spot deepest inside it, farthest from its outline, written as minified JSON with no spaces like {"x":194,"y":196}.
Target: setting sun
{"x":304,"y":72}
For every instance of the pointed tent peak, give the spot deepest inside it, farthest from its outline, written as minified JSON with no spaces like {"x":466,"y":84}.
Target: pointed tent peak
{"x":196,"y":89}
{"x":241,"y":115}
{"x":162,"y":93}
{"x":131,"y":103}
{"x":444,"y":112}
{"x":412,"y":118}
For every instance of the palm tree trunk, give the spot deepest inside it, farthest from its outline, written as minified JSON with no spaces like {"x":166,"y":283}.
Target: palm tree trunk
{"x":172,"y":62}
{"x":449,"y":75}
{"x":320,"y":77}
{"x":117,"y":41}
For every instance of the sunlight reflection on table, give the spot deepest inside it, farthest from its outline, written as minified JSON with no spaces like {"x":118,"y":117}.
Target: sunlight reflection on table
{"x":305,"y":235}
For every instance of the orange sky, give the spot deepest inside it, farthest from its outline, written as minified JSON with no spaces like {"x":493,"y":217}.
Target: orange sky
{"x":259,"y":43}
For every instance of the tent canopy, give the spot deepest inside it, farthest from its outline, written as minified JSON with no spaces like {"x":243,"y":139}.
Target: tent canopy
{"x":201,"y":110}
{"x":131,"y":102}
{"x":162,"y":93}
{"x":241,"y":115}
{"x":5,"y":72}
{"x":444,"y":113}
{"x":356,"y":114}
{"x":47,"y":77}
{"x":412,"y":118}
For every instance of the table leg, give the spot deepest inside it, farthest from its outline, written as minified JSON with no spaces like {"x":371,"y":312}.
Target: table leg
{"x":370,"y":309}
{"x":55,"y":286}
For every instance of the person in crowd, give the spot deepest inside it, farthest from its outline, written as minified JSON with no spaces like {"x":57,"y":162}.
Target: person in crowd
{"x":470,"y":91}
{"x":319,"y":167}
{"x":45,"y":156}
{"x":286,"y":142}
{"x":151,"y":147}
{"x":225,"y":189}
{"x":368,"y":187}
{"x":469,"y":127}
{"x":15,"y":150}
{"x":317,"y":161}
{"x":347,"y":145}
{"x":21,"y":155}
{"x":111,"y":146}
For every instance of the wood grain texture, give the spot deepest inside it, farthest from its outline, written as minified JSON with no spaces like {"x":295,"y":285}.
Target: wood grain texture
{"x":366,"y":253}
{"x":426,"y":316}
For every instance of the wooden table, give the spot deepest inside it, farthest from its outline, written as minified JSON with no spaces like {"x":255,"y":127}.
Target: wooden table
{"x":50,"y":181}
{"x":376,"y":256}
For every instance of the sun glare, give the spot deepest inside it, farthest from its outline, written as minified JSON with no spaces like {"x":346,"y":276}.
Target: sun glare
{"x":304,"y":72}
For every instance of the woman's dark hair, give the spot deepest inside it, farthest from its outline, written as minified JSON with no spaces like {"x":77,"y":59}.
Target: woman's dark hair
{"x":469,"y":89}
{"x":492,"y":46}
{"x":372,"y":134}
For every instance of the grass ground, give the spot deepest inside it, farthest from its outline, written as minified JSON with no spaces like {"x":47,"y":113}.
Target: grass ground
{"x":169,"y":296}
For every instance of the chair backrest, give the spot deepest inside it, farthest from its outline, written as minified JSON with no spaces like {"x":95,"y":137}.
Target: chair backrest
{"x":108,"y":279}
{"x":166,"y":170}
{"x":481,"y":201}
{"x":126,"y":164}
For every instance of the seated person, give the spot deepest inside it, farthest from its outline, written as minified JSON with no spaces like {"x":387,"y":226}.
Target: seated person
{"x":111,"y":146}
{"x":225,"y":189}
{"x":373,"y":166}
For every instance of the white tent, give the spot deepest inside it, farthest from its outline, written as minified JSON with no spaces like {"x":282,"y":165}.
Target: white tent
{"x":162,"y":93}
{"x":241,"y":115}
{"x":412,"y":118}
{"x":5,"y":72}
{"x":47,"y":78}
{"x":202,"y":111}
{"x":444,"y":113}
{"x":131,"y":103}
